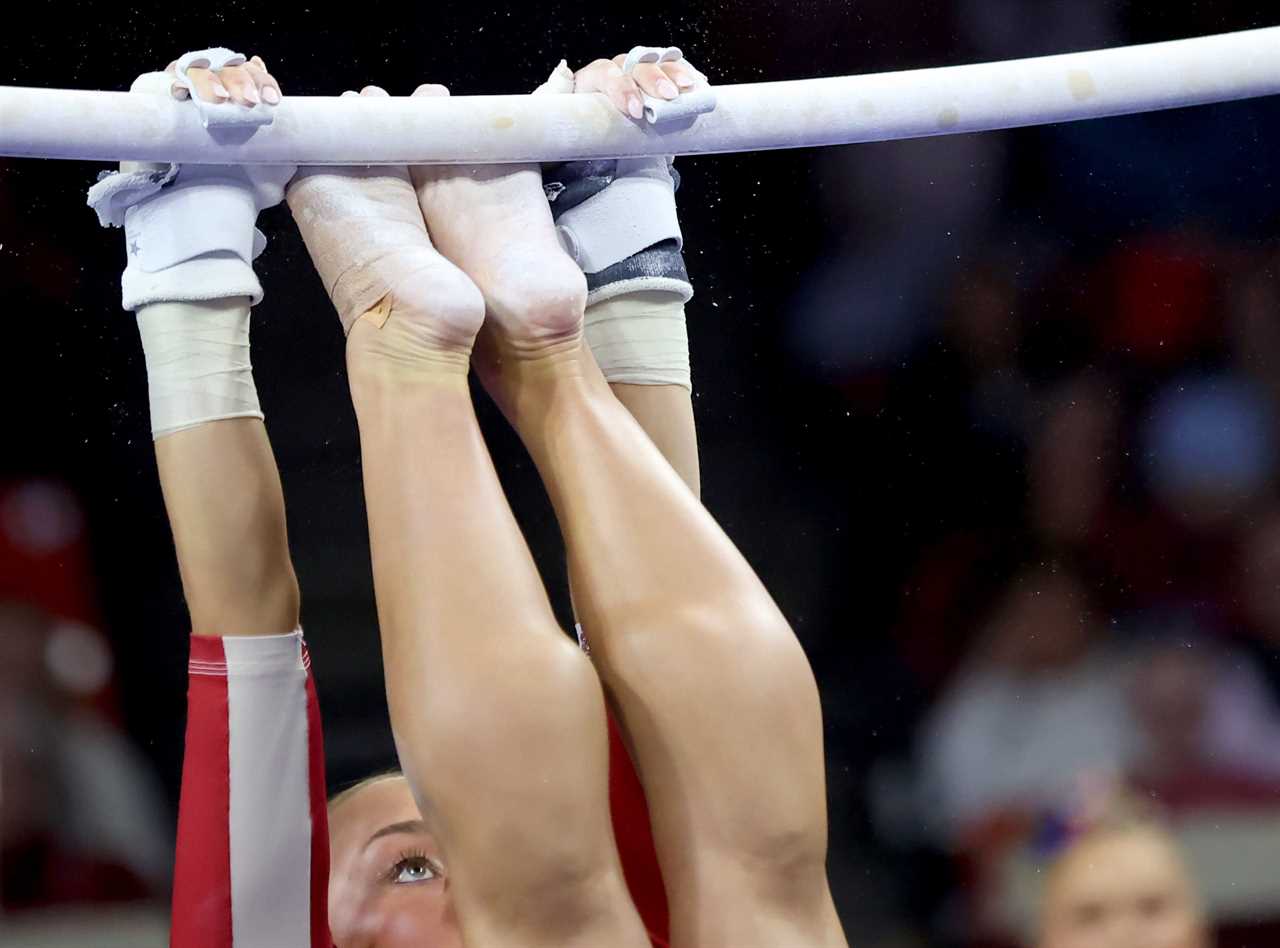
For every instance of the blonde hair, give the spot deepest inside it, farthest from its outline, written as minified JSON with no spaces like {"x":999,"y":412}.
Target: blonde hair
{"x":342,"y":796}
{"x":1123,"y":812}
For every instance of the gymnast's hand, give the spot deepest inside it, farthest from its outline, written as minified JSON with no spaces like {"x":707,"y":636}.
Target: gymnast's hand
{"x":626,"y":239}
{"x":215,"y":207}
{"x":627,"y":91}
{"x":246,"y":85}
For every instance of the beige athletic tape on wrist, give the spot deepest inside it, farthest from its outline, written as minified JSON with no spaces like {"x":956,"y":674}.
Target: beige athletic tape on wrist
{"x":640,"y":339}
{"x":198,"y":365}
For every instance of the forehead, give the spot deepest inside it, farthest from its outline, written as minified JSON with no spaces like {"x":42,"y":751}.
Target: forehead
{"x":369,"y":809}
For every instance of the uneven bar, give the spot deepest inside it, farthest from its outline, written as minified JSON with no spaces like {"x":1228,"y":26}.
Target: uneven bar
{"x":115,"y":126}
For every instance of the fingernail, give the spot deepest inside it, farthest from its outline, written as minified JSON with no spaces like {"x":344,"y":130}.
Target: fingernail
{"x":251,"y":94}
{"x":270,"y":95}
{"x":220,"y":91}
{"x":635,"y":107}
{"x":684,"y":82}
{"x":667,"y":89}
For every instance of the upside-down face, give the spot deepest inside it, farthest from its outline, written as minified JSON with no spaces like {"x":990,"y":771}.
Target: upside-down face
{"x":387,"y":886}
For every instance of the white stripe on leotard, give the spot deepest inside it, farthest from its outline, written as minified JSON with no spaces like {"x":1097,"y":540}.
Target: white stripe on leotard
{"x":270,"y":809}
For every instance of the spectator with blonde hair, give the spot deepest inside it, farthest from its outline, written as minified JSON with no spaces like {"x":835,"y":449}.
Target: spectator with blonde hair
{"x":1122,"y":883}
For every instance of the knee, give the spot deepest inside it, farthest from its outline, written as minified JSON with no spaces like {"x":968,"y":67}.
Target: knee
{"x":739,"y":630}
{"x":543,"y":700}
{"x":522,"y":773}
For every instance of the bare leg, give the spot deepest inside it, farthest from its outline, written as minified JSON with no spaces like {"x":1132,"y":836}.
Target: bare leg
{"x":497,"y":717}
{"x":712,"y":687}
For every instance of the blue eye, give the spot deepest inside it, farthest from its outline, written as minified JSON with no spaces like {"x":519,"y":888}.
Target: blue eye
{"x":413,"y":868}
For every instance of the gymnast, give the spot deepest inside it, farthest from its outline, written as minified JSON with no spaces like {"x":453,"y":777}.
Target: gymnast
{"x":498,"y":831}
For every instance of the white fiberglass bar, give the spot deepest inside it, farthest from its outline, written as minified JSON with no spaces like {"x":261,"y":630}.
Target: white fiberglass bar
{"x":114,"y":126}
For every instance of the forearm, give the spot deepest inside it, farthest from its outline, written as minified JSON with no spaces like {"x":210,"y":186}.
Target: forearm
{"x":641,"y":343}
{"x":220,"y":482}
{"x":226,"y":510}
{"x":665,"y":412}
{"x":190,"y":281}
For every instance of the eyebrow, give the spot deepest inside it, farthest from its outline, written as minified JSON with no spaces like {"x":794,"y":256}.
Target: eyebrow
{"x":394,"y":829}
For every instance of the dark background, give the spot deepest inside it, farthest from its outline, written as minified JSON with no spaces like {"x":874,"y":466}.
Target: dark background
{"x":835,"y":401}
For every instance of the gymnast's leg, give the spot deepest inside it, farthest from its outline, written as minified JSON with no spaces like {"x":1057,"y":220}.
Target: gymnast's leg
{"x":497,"y":717}
{"x":712,"y":687}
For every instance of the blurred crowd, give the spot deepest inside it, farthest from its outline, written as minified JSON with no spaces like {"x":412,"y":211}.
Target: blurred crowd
{"x":83,"y":818}
{"x":1074,"y":336}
